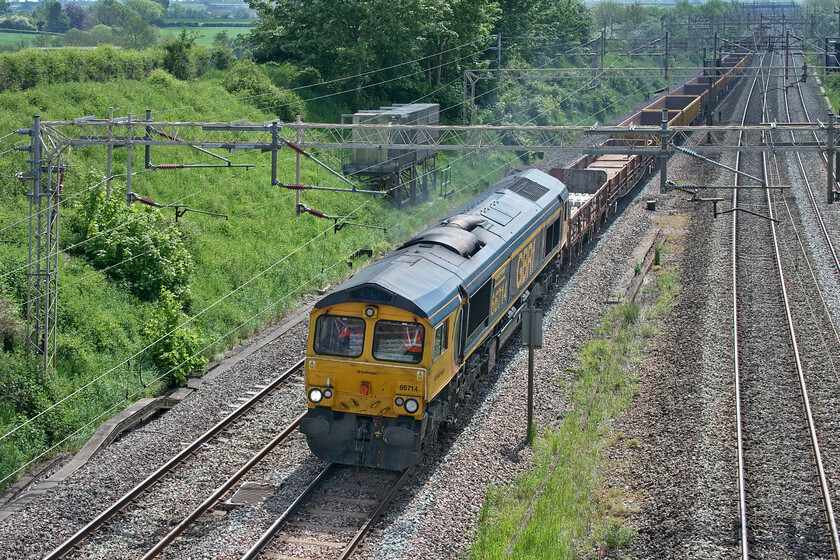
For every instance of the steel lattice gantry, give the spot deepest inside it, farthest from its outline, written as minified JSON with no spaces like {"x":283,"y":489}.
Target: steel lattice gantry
{"x":51,"y":140}
{"x":270,"y":136}
{"x":46,"y":175}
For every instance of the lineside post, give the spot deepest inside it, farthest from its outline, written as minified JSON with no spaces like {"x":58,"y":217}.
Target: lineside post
{"x":148,"y":139}
{"x":663,"y":153}
{"x":532,"y":338}
{"x":709,"y":80}
{"x":34,"y":298}
{"x":787,"y":52}
{"x":42,"y":264}
{"x":830,"y":131}
{"x":110,"y":153}
{"x":128,"y":142}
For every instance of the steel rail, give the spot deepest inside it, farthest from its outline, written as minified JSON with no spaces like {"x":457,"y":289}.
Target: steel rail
{"x":742,"y":496}
{"x":65,"y":548}
{"x":810,"y":191}
{"x":386,"y":501}
{"x":824,"y":487}
{"x":268,"y":536}
{"x":223,"y":489}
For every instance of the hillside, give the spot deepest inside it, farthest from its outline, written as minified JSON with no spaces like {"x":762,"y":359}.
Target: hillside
{"x":247,"y":268}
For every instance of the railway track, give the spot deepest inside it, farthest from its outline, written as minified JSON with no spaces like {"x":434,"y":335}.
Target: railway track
{"x":332,"y":515}
{"x":112,"y":532}
{"x":809,"y":190}
{"x":784,"y":495}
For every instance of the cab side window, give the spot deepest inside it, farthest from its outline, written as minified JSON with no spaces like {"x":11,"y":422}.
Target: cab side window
{"x":441,"y":340}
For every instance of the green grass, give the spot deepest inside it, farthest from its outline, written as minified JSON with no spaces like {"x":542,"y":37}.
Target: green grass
{"x":205,"y":33}
{"x":9,"y":38}
{"x":562,"y":508}
{"x":250,"y":269}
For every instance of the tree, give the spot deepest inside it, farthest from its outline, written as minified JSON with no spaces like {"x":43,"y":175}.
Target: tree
{"x":447,"y":24}
{"x":5,"y":7}
{"x":342,"y":38}
{"x":606,"y":11}
{"x":108,"y":12}
{"x":137,"y":34}
{"x":634,"y":14}
{"x":102,"y":35}
{"x":56,"y":19}
{"x":78,"y":16}
{"x":178,"y":55}
{"x":148,"y":10}
{"x":529,"y":27}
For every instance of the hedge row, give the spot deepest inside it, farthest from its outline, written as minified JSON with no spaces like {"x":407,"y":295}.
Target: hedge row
{"x":28,"y":68}
{"x":215,"y":23}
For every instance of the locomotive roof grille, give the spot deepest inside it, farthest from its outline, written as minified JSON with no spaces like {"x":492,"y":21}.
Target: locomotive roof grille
{"x":528,"y":189}
{"x":372,"y":295}
{"x":452,"y":237}
{"x":427,"y":275}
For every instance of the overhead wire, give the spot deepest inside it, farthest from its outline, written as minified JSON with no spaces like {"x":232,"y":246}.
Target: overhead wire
{"x":335,"y":94}
{"x":218,"y":301}
{"x":334,"y":80}
{"x":170,"y":332}
{"x":122,"y":225}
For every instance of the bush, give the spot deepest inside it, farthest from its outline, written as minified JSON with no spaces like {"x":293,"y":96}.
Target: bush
{"x":221,"y":58}
{"x":17,"y":22}
{"x":24,"y":384}
{"x":246,"y":79}
{"x":12,"y":326}
{"x":178,"y":350}
{"x":178,"y":55}
{"x":27,"y":69}
{"x":135,"y":246}
{"x":161,"y":78}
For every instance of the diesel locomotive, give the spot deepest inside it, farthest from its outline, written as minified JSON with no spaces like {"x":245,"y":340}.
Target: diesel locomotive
{"x":394,"y":349}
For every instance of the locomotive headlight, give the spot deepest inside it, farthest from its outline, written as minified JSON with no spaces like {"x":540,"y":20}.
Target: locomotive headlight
{"x":399,"y":401}
{"x":370,"y":311}
{"x":315,"y":395}
{"x":411,"y":406}
{"x":327,"y":393}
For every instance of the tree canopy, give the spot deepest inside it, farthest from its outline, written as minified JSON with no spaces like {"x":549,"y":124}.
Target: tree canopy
{"x":416,"y":45}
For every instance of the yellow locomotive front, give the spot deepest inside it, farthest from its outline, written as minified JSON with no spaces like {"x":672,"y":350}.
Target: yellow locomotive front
{"x":366,"y":384}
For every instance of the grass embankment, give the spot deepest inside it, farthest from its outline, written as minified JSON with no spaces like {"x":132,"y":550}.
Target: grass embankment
{"x":562,"y":508}
{"x":249,"y":269}
{"x":832,"y":89}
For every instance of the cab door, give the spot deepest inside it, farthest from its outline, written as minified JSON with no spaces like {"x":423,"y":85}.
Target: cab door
{"x":443,"y":356}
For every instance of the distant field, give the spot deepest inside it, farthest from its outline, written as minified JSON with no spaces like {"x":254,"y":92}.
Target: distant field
{"x":13,"y":38}
{"x":205,"y":34}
